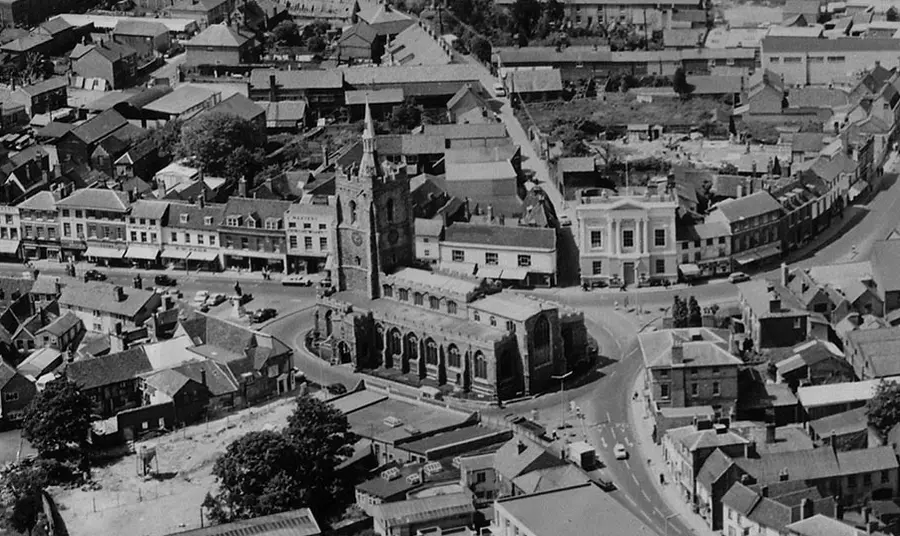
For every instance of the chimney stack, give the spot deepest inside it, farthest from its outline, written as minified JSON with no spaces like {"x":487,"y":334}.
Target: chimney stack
{"x":520,"y":448}
{"x":806,"y":508}
{"x":242,"y":187}
{"x":119,"y":293}
{"x":764,"y":491}
{"x":138,"y":282}
{"x":272,"y":88}
{"x":785,"y":275}
{"x":774,"y":302}
{"x":770,"y":433}
{"x":202,"y":199}
{"x":677,"y":353}
{"x":203,"y":376}
{"x":740,"y":191}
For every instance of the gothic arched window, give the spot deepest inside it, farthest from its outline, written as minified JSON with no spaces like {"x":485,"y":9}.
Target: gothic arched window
{"x":352,"y":210}
{"x":541,"y":332}
{"x":389,"y":210}
{"x":453,"y":356}
{"x":480,"y":366}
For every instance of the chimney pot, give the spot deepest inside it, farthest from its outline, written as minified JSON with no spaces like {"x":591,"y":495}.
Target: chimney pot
{"x":764,"y":491}
{"x":203,"y":377}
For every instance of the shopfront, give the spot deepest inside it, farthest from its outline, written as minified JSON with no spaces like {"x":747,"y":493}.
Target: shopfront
{"x":145,"y":256}
{"x":105,"y":256}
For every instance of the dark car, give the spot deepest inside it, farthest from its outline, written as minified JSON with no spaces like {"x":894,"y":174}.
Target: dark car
{"x":94,"y":275}
{"x":165,"y":281}
{"x":262,"y":315}
{"x":336,"y":389}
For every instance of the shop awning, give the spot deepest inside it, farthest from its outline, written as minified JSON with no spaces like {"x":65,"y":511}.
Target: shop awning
{"x":329,"y":263}
{"x":104,"y":253}
{"x":489,"y":272}
{"x":178,"y":254}
{"x":857,"y":188}
{"x":760,"y":254}
{"x":204,"y":255}
{"x":144,"y":253}
{"x":689,"y":269}
{"x":9,"y":246}
{"x":514,"y":274}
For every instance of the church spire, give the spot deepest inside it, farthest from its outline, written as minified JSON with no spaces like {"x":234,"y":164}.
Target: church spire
{"x":368,"y":167}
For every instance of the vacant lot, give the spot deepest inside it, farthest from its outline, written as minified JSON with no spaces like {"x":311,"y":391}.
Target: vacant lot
{"x":622,"y":109}
{"x":130,"y":504}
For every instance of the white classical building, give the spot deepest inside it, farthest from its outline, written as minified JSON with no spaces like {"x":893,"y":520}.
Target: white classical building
{"x":628,"y":237}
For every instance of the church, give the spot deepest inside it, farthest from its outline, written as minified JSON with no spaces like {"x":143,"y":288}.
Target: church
{"x":442,"y":329}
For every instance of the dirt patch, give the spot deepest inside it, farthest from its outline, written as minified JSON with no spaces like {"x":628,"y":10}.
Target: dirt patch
{"x":127,"y":503}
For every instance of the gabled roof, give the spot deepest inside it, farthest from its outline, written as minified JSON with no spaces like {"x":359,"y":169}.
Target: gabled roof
{"x":298,"y":79}
{"x":184,"y":98}
{"x":501,"y":235}
{"x":101,"y":296}
{"x":240,"y":106}
{"x":218,"y":35}
{"x":519,"y":457}
{"x":295,"y":523}
{"x":694,"y":439}
{"x":361,"y":30}
{"x":139,"y":28}
{"x":109,"y":369}
{"x":51,"y":84}
{"x":219,"y":379}
{"x":424,"y":510}
{"x":260,"y":209}
{"x":700,"y":347}
{"x":99,"y":127}
{"x":713,"y":468}
{"x":195,"y":216}
{"x":113,"y":51}
{"x":40,"y":201}
{"x":167,"y":381}
{"x":877,"y":348}
{"x":755,"y":204}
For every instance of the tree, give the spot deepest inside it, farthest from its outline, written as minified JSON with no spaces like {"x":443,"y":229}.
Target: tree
{"x":891,"y":15}
{"x":525,"y":16}
{"x":258,"y":475}
{"x":316,"y":44}
{"x":695,"y":314}
{"x":680,"y":313}
{"x":884,"y":408}
{"x":321,"y":437}
{"x":212,"y":139}
{"x":167,"y":137}
{"x":681,"y":85}
{"x":286,"y":33}
{"x":58,"y":420}
{"x":407,"y":116}
{"x":480,"y":48}
{"x":22,"y":484}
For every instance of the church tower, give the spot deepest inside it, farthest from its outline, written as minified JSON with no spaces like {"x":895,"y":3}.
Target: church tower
{"x":374,"y":220}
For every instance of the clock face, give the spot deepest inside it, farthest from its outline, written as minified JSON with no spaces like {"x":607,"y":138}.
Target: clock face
{"x":392,"y":236}
{"x":357,"y":238}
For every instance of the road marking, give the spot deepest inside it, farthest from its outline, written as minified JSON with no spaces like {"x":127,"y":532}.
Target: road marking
{"x":636,"y":481}
{"x":608,"y":418}
{"x":644,"y":493}
{"x":611,"y":374}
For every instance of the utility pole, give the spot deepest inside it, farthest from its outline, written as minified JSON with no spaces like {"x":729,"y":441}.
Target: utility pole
{"x":562,"y":385}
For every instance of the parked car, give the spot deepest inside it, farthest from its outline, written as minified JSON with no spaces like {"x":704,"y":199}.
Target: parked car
{"x":94,"y":275}
{"x":499,"y":89}
{"x":200,"y":297}
{"x":620,"y":452}
{"x":738,"y":277}
{"x":565,"y":221}
{"x":215,"y":299}
{"x":165,"y":281}
{"x":262,"y":315}
{"x":325,"y":283}
{"x":297,"y":280}
{"x":336,"y":389}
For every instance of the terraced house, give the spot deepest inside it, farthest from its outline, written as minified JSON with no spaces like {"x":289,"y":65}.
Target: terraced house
{"x":94,"y":225}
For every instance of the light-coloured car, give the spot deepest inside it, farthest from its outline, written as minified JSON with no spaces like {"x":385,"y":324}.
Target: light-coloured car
{"x":499,"y":89}
{"x":738,"y":277}
{"x":620,"y":452}
{"x":565,"y":221}
{"x":297,"y":280}
{"x":200,"y":297}
{"x":215,"y":299}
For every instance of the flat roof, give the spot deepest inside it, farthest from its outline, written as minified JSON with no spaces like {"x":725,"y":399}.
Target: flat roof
{"x":839,"y":393}
{"x":414,"y":419}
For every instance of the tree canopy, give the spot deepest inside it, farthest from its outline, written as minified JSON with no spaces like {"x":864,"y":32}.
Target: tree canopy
{"x":268,"y":472}
{"x":407,"y":116}
{"x":695,"y":314}
{"x":58,"y":420}
{"x":884,"y":408}
{"x":680,"y":312}
{"x":223,"y":144}
{"x":681,"y":85}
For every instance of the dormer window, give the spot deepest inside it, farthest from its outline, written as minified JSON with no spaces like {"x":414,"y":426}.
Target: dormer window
{"x":272,"y":224}
{"x":184,"y":218}
{"x":234,"y":221}
{"x":207,"y":220}
{"x":251,"y":223}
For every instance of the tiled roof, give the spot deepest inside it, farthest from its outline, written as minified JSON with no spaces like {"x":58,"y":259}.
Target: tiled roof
{"x":553,"y":55}
{"x":113,"y":51}
{"x":260,"y":209}
{"x":814,"y":464}
{"x":713,"y":468}
{"x":501,"y":235}
{"x":139,"y":28}
{"x":284,"y":110}
{"x":885,"y":260}
{"x":362,"y":30}
{"x":429,"y":228}
{"x":509,"y":304}
{"x":61,"y":325}
{"x":40,"y":201}
{"x":99,"y":127}
{"x":366,"y":76}
{"x":551,"y":478}
{"x":855,"y":420}
{"x":710,"y":350}
{"x":783,"y":44}
{"x":196,"y":216}
{"x":298,"y":79}
{"x":167,"y":381}
{"x":146,"y":208}
{"x":512,"y":461}
{"x":879,"y":349}
{"x":96,"y":199}
{"x":109,"y":369}
{"x":184,"y":98}
{"x":101,"y":296}
{"x":693,"y":439}
{"x":750,"y":206}
{"x":219,"y":379}
{"x":240,"y":106}
{"x":758,"y":296}
{"x":51,"y":84}
{"x":822,"y":525}
{"x":6,"y":373}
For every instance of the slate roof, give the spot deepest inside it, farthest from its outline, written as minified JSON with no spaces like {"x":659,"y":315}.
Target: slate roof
{"x":536,"y":81}
{"x":39,"y":201}
{"x":785,"y":44}
{"x":113,"y":52}
{"x":846,"y":422}
{"x":501,"y":235}
{"x":61,"y":325}
{"x":710,"y":350}
{"x":260,"y":209}
{"x":167,"y":381}
{"x":101,"y":296}
{"x":284,"y":110}
{"x":181,"y":100}
{"x":195,"y":216}
{"x":429,"y":228}
{"x":878,"y":348}
{"x":757,"y":295}
{"x":218,"y":35}
{"x":552,"y":55}
{"x":219,"y":379}
{"x":362,"y":30}
{"x":51,"y":84}
{"x":109,"y":369}
{"x":693,"y":439}
{"x":713,"y":468}
{"x":749,"y":206}
{"x":240,"y":106}
{"x":510,"y":463}
{"x":397,"y":75}
{"x":550,"y":478}
{"x":814,"y":464}
{"x":99,"y":127}
{"x":302,"y":79}
{"x":139,"y":28}
{"x":885,"y":260}
{"x":96,"y":199}
{"x":7,"y":373}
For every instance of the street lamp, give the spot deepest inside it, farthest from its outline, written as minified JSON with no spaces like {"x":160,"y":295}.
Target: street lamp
{"x":562,"y":386}
{"x":668,"y":517}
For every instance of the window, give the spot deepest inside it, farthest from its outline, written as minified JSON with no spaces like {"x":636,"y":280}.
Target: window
{"x":715,"y":370}
{"x":143,"y":236}
{"x":273,"y":224}
{"x":431,"y":352}
{"x":798,"y":323}
{"x":659,"y":237}
{"x":184,"y":218}
{"x":418,"y":298}
{"x":836,"y":59}
{"x":389,"y":210}
{"x":434,"y":302}
{"x":476,"y":316}
{"x":79,"y":230}
{"x":212,"y":240}
{"x":525,"y":260}
{"x":351,"y":207}
{"x":597,"y":267}
{"x":491,"y":258}
{"x":65,"y":214}
{"x":403,"y":294}
{"x":28,"y":231}
{"x":323,"y":243}
{"x":199,"y":239}
{"x":307,"y":226}
{"x":494,"y":321}
{"x":628,"y":238}
{"x":307,"y":242}
{"x":885,"y":477}
{"x":660,"y":266}
{"x":480,"y":366}
{"x":709,"y":241}
{"x":233,"y":221}
{"x":664,"y":391}
{"x":245,"y":243}
{"x":67,"y":229}
{"x":10,"y":397}
{"x":663,"y":373}
{"x":451,"y":307}
{"x":207,"y":220}
{"x":457,"y":255}
{"x":387,"y":291}
{"x":716,"y":391}
{"x":322,"y":227}
{"x":867,"y":479}
{"x":480,"y":477}
{"x":187,"y":238}
{"x":77,"y":213}
{"x":596,"y":239}
{"x":792,"y":60}
{"x":851,"y":481}
{"x":510,"y":326}
{"x":174,"y":237}
{"x":292,"y":241}
{"x":695,"y":389}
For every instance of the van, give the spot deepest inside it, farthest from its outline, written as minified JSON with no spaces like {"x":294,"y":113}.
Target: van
{"x":431,"y":393}
{"x":499,"y":89}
